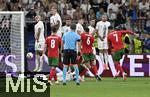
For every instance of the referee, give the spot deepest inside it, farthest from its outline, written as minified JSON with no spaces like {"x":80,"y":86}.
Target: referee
{"x":70,"y":39}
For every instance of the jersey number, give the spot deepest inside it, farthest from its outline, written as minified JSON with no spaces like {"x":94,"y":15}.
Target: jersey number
{"x":52,"y":43}
{"x":116,"y":36}
{"x":88,"y":41}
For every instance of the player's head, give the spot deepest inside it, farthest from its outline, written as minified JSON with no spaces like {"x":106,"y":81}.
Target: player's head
{"x":68,"y":21}
{"x":54,"y":30}
{"x":53,"y":10}
{"x":104,"y":17}
{"x":73,"y":27}
{"x":92,"y":22}
{"x":86,"y":29}
{"x":110,"y":29}
{"x":81,"y":20}
{"x":37,"y":18}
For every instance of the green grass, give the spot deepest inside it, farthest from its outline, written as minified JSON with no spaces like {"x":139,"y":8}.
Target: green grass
{"x":109,"y":87}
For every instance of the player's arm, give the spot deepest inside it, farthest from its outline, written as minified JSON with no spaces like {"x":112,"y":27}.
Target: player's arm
{"x":38,"y":34}
{"x":57,"y":25}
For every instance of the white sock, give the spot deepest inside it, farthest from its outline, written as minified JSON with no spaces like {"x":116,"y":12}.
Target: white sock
{"x":37,"y":61}
{"x":106,"y":58}
{"x":41,"y":62}
{"x":102,"y":57}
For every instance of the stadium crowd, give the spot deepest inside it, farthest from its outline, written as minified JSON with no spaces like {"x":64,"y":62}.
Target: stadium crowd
{"x":132,"y":14}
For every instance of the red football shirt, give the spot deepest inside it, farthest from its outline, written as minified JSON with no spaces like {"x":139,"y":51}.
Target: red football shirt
{"x":53,"y":42}
{"x":115,"y":37}
{"x":87,"y":43}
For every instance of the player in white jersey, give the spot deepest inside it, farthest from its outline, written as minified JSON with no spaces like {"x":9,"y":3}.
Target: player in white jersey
{"x":39,"y":43}
{"x":66,"y":28}
{"x":102,"y":31}
{"x":55,"y":20}
{"x":79,"y":26}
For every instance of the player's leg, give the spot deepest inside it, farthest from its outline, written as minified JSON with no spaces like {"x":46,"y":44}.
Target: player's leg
{"x":66,"y":62}
{"x":94,"y":70}
{"x":40,"y":61}
{"x":41,"y":49}
{"x":117,"y":56}
{"x":101,"y":53}
{"x":73,"y":56}
{"x":37,"y":60}
{"x":106,"y":59}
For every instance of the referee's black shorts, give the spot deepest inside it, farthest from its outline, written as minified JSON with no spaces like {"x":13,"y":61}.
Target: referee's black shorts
{"x":69,"y":57}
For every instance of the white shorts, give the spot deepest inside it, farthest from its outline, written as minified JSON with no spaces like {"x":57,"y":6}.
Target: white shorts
{"x":102,"y":44}
{"x":39,"y":46}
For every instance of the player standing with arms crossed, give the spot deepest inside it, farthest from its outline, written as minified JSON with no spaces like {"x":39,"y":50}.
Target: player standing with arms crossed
{"x":39,"y":43}
{"x":102,"y":31}
{"x":70,"y":39}
{"x":55,"y":20}
{"x":53,"y":43}
{"x":118,"y":47}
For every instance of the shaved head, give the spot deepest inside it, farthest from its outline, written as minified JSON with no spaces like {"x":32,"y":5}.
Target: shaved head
{"x":38,"y":18}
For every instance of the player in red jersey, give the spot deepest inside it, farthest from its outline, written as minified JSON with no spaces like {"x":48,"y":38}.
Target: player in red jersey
{"x":117,"y":50}
{"x":87,"y":41}
{"x":53,"y":44}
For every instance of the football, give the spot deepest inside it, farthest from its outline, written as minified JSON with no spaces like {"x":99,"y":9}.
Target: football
{"x":29,"y":55}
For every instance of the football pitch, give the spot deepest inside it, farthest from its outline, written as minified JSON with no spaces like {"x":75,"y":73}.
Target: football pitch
{"x":108,"y":87}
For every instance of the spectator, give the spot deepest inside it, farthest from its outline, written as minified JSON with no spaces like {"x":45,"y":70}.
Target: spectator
{"x":104,"y":5}
{"x":111,"y":16}
{"x":120,"y":18}
{"x":85,"y":6}
{"x":147,"y":26}
{"x":100,"y":13}
{"x":114,"y":5}
{"x":65,"y":15}
{"x":63,"y":5}
{"x":78,"y":13}
{"x":70,"y":10}
{"x":91,"y":14}
{"x":2,"y":5}
{"x":31,"y":13}
{"x":143,"y":5}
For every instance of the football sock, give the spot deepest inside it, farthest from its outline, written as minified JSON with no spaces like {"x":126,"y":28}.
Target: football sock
{"x":106,"y":58}
{"x":102,"y":57}
{"x":64,"y":74}
{"x":92,"y":70}
{"x":52,"y":71}
{"x":83,"y":72}
{"x":41,"y":62}
{"x":77,"y":74}
{"x":95,"y":69}
{"x":36,"y":61}
{"x":55,"y":76}
{"x":119,"y":68}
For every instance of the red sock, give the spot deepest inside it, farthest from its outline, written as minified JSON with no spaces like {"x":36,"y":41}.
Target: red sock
{"x":55,"y":76}
{"x":95,"y":68}
{"x":93,"y":71}
{"x":83,"y":72}
{"x":118,"y":67}
{"x":51,"y":75}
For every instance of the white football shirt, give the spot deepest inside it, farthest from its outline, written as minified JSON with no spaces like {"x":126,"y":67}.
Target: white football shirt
{"x":79,"y":27}
{"x":53,"y":21}
{"x":102,"y":28}
{"x":41,"y":26}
